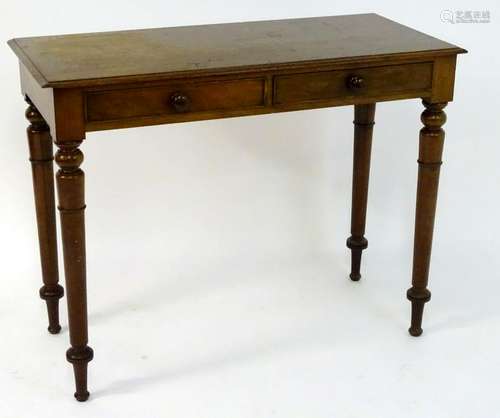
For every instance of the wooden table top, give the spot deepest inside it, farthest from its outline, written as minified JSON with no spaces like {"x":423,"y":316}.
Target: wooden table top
{"x":137,"y":55}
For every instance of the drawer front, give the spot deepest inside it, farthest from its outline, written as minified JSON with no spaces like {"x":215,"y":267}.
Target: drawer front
{"x":174,"y":98}
{"x":342,"y":84}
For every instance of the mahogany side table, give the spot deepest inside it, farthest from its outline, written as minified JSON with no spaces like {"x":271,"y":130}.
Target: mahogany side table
{"x":90,"y":82}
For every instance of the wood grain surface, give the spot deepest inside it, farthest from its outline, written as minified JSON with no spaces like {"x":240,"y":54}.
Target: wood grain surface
{"x":88,"y":59}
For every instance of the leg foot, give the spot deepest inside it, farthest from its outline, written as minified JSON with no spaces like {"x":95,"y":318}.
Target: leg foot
{"x":418,"y":299}
{"x":79,"y":358}
{"x":51,"y":295}
{"x":357,"y":245}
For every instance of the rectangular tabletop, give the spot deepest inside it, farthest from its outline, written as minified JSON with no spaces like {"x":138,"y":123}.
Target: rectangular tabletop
{"x":91,"y":59}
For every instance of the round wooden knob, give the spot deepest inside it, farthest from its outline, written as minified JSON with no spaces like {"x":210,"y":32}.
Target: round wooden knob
{"x":355,"y":82}
{"x":180,"y":102}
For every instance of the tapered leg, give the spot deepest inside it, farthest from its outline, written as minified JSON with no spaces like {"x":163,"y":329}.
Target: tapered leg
{"x":70,"y":188}
{"x":429,"y":163}
{"x":363,"y":128}
{"x":41,"y":157}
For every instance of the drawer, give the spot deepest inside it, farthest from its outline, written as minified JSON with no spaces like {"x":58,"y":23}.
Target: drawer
{"x":174,"y":98}
{"x":365,"y":82}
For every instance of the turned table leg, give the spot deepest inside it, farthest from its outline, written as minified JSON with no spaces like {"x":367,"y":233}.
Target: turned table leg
{"x":41,"y":157}
{"x":363,"y":128}
{"x":429,"y":162}
{"x":70,"y":188}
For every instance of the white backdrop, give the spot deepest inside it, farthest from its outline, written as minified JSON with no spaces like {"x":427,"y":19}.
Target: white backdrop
{"x":217,"y":267}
